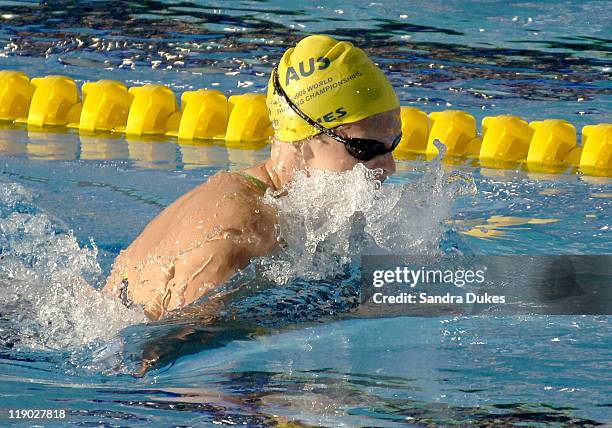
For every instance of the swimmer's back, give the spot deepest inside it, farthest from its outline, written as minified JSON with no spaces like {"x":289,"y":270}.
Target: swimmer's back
{"x":196,"y":243}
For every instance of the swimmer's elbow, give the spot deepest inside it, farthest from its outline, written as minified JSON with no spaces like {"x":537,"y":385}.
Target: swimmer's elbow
{"x":111,"y":285}
{"x":117,"y":275}
{"x":206,"y":268}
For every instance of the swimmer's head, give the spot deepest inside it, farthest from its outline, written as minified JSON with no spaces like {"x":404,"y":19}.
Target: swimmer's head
{"x":332,"y":82}
{"x":325,"y":83}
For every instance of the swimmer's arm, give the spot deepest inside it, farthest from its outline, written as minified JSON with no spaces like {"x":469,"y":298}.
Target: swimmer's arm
{"x":215,"y":261}
{"x":116,"y":276}
{"x":205,"y":268}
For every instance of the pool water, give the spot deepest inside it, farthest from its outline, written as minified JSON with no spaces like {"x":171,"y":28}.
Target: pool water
{"x":292,"y":352}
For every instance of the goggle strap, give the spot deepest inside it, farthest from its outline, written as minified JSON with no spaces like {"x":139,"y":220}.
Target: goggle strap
{"x":279,"y":89}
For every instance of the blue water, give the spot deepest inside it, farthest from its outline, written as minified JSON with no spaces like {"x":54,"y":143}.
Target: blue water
{"x":70,"y":203}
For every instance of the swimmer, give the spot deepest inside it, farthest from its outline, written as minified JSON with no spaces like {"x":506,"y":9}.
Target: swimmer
{"x":331,"y":107}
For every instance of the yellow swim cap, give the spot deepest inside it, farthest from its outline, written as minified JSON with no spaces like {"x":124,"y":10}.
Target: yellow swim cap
{"x":330,"y":81}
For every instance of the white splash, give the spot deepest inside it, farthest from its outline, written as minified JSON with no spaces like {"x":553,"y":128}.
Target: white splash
{"x":328,"y":219}
{"x":47,"y":299}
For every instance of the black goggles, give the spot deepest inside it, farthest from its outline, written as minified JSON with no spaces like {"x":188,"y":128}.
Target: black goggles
{"x":363,"y":149}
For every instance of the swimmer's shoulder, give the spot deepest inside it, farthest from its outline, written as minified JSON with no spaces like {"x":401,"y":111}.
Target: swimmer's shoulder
{"x":252,"y":179}
{"x":238,"y":204}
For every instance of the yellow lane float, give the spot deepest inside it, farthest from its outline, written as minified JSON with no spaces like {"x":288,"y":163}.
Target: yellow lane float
{"x":415,"y":131}
{"x":205,"y":115}
{"x":456,"y":129}
{"x":106,"y":104}
{"x":506,"y":141}
{"x":55,"y":101}
{"x":596,"y":158}
{"x":15,"y":95}
{"x":552,"y":142}
{"x":249,"y":120}
{"x":152,"y":111}
{"x":547,"y":146}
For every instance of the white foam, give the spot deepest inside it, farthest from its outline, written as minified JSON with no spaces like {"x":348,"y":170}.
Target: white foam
{"x":48,"y":300}
{"x":328,"y":219}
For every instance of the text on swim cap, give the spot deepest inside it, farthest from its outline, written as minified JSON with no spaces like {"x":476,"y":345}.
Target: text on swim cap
{"x":333,"y":115}
{"x":321,"y":87}
{"x":291,"y":73}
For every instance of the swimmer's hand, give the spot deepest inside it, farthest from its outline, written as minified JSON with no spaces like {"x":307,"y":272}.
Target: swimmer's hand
{"x":189,"y":332}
